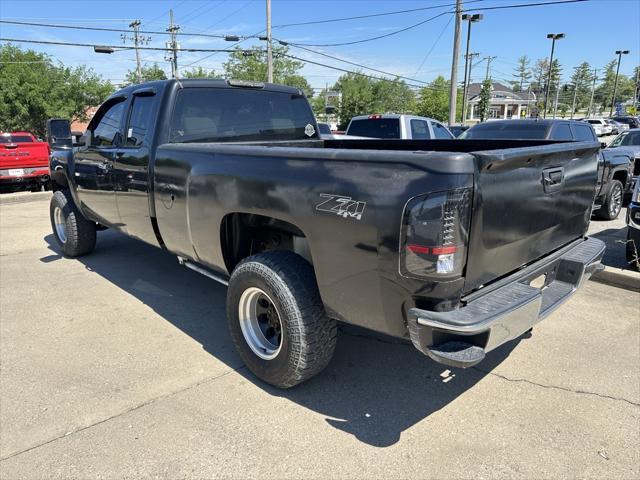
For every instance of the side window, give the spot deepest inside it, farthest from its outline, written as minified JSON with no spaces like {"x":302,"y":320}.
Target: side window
{"x":561,"y":131}
{"x":139,"y":120}
{"x":419,"y":130}
{"x":440,"y":131}
{"x":107,"y":131}
{"x":583,"y":133}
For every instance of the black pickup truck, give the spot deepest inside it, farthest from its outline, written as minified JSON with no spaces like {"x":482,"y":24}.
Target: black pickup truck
{"x":459,"y":246}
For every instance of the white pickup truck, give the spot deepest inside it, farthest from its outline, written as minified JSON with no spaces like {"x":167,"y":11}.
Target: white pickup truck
{"x":396,"y":126}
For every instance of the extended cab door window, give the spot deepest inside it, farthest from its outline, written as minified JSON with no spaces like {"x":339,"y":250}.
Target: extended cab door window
{"x":583,"y":133}
{"x":420,"y":130}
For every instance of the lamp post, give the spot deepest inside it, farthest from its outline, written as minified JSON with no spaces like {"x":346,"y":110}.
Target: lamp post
{"x":553,"y":37}
{"x":615,"y":83}
{"x":471,"y":19}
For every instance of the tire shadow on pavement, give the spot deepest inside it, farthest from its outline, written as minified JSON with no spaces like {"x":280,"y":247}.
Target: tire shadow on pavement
{"x":375,"y":387}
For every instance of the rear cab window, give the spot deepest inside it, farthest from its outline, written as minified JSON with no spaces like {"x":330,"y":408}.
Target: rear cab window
{"x":375,"y":128}
{"x":228,"y":115}
{"x":512,"y":131}
{"x":16,"y":139}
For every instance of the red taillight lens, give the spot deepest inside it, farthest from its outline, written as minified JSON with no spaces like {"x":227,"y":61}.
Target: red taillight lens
{"x":434,"y":236}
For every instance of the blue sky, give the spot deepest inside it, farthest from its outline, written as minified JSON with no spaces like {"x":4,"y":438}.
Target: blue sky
{"x":594,"y":30}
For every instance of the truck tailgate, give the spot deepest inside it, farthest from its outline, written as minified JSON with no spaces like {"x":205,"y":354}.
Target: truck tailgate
{"x":528,"y":202}
{"x":21,"y":155}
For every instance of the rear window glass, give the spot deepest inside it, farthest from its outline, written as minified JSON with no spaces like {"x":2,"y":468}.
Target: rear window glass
{"x":375,"y":128}
{"x":595,"y":122}
{"x":324,"y":128}
{"x":561,"y":131}
{"x":491,"y":130}
{"x":15,"y":139}
{"x":226,"y":115}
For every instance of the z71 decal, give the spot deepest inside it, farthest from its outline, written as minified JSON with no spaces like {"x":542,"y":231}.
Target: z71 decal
{"x":341,"y":205}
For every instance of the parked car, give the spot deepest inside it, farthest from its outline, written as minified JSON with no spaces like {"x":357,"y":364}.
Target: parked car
{"x":324,"y":128}
{"x":24,"y":162}
{"x":633,"y":122}
{"x":629,"y":141}
{"x":436,"y":241}
{"x":633,"y":229}
{"x":619,"y":127}
{"x":600,"y":126}
{"x":457,"y":130}
{"x":615,"y":168}
{"x":390,"y":126}
{"x":613,"y":125}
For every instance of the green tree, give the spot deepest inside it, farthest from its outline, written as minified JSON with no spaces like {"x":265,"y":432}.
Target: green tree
{"x":581,"y":84}
{"x":433,"y":100}
{"x":33,"y":89}
{"x":357,"y":97}
{"x":243,"y":65}
{"x":604,"y":92}
{"x":393,"y":96}
{"x":149,"y":73}
{"x":522,"y":73}
{"x":485,"y":99}
{"x":199,"y":72}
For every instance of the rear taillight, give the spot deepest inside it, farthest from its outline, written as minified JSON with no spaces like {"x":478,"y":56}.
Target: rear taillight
{"x":434,"y":236}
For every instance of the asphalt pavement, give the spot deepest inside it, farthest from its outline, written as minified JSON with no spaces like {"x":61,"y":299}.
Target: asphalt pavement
{"x":119,"y":364}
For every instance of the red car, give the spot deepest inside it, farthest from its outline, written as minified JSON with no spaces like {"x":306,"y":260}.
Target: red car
{"x":24,"y":162}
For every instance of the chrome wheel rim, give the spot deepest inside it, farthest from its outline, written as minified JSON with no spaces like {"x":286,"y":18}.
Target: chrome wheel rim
{"x":616,"y":201}
{"x":260,"y":323}
{"x":60,"y":224}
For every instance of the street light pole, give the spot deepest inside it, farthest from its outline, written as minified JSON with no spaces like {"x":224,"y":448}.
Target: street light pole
{"x":553,"y":37}
{"x":615,"y":83}
{"x":471,"y":19}
{"x":269,"y":46}
{"x":453,"y":90}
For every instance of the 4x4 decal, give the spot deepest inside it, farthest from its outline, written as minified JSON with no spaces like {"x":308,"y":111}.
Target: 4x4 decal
{"x":341,"y":205}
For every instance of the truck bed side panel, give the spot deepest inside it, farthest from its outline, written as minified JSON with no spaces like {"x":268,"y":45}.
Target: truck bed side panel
{"x":355,"y":259}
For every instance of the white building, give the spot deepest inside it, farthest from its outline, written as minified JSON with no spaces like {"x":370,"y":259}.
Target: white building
{"x":505,"y":103}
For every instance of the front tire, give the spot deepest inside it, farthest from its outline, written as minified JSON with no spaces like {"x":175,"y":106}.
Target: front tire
{"x":277,"y":320}
{"x":74,"y":234}
{"x":613,"y":202}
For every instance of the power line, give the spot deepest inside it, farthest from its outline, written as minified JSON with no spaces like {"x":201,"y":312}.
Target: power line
{"x":243,"y":39}
{"x":343,"y":19}
{"x":377,"y":37}
{"x":557,"y":2}
{"x":352,"y":63}
{"x":105,"y":29}
{"x":115,"y":47}
{"x":433,"y":46}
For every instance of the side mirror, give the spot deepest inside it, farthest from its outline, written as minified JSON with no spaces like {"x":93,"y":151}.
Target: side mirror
{"x":603,"y":145}
{"x":59,"y":132}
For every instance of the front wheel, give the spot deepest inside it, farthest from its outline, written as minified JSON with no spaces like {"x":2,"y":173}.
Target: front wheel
{"x":277,"y":320}
{"x":613,"y":202}
{"x":74,"y":234}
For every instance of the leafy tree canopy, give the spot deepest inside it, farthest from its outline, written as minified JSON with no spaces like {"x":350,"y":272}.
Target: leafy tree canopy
{"x":149,"y":73}
{"x":34,"y":89}
{"x":433,"y":100}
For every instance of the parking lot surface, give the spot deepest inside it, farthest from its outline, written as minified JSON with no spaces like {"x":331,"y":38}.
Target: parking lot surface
{"x":119,"y":364}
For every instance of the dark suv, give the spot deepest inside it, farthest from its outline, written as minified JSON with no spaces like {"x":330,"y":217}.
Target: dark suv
{"x":615,"y":168}
{"x":633,"y":122}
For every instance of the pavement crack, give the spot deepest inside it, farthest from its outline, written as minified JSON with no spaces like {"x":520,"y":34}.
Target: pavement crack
{"x":556,"y":387}
{"x":128,"y":410}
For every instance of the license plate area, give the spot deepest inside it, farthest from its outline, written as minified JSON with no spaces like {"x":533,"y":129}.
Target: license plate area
{"x":16,"y":172}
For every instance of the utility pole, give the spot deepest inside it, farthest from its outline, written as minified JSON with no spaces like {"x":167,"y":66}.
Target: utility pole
{"x":488,"y":59}
{"x":593,"y":89}
{"x":615,"y":84}
{"x":553,"y":37}
{"x":453,"y":92}
{"x":172,"y":45}
{"x":136,"y":39}
{"x":269,"y":46}
{"x":467,"y":60}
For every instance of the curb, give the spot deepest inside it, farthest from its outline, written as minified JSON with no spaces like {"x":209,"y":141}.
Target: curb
{"x":24,"y":197}
{"x":617,"y":277}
